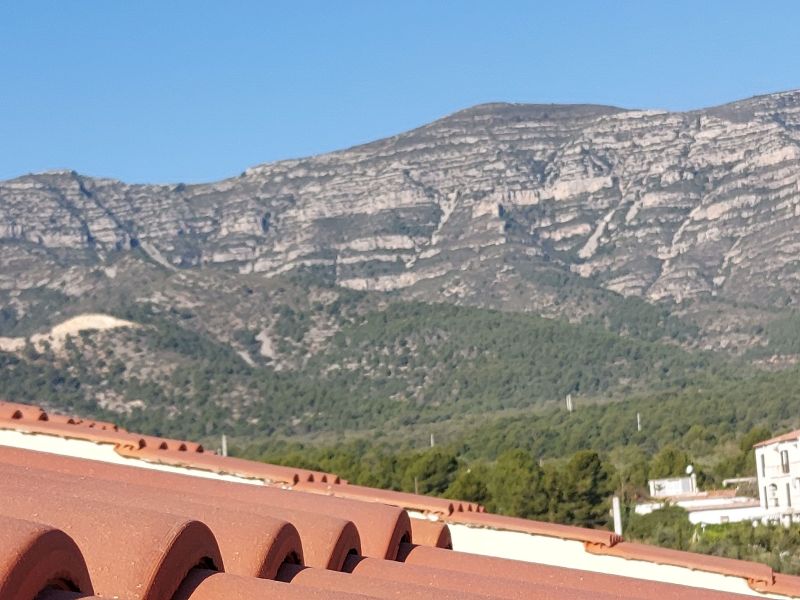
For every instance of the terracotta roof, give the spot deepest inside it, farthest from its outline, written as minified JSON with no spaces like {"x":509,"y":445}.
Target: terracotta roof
{"x":253,"y":544}
{"x":553,"y":582}
{"x":326,"y":539}
{"x":425,"y":504}
{"x":595,"y":537}
{"x":22,"y":417}
{"x":757,"y":574}
{"x":123,"y":525}
{"x":373,"y":587}
{"x":786,"y":437}
{"x":431,"y":533}
{"x":207,"y":585}
{"x":132,"y":554}
{"x":36,"y":557}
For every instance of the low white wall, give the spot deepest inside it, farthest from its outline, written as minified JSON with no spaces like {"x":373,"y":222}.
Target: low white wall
{"x":102,"y":452}
{"x":572,"y":554}
{"x":732,"y":515}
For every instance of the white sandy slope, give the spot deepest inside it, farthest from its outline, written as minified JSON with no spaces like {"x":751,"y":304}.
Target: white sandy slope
{"x":58,"y":334}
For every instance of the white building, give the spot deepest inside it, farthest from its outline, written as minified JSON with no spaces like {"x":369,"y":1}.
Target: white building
{"x":672,"y":486}
{"x":714,"y":507}
{"x":778,"y":471}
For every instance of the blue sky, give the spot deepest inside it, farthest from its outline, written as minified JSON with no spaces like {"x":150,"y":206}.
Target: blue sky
{"x":169,"y":91}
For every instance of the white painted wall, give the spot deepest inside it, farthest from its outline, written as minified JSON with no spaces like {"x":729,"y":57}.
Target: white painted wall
{"x":784,"y":497}
{"x":712,"y":511}
{"x":557,"y":552}
{"x":568,"y":553}
{"x":720,"y":516}
{"x":672,"y":486}
{"x":102,"y":452}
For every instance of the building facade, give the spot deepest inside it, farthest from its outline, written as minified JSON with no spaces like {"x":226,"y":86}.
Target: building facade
{"x":672,"y":486}
{"x":778,"y":472}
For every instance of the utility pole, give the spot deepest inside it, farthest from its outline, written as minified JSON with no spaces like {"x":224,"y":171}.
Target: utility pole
{"x":433,"y":443}
{"x":638,"y":421}
{"x":570,"y":407}
{"x":224,"y":449}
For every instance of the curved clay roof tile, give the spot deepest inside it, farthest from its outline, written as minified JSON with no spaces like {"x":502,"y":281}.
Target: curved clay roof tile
{"x":566,"y":582}
{"x":21,"y":412}
{"x":63,"y":595}
{"x":427,"y":504}
{"x":251,"y":544}
{"x":595,"y":537}
{"x":431,"y":533}
{"x":132,"y":554}
{"x":326,"y":539}
{"x":36,"y":557}
{"x":381,"y":527}
{"x":62,"y":428}
{"x":759,"y":576}
{"x":369,"y":586}
{"x":167,"y":444}
{"x":207,"y":585}
{"x":226,"y":465}
{"x":78,"y":422}
{"x":434,"y":578}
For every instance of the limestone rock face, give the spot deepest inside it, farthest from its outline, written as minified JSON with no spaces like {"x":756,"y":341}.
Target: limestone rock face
{"x":659,"y":205}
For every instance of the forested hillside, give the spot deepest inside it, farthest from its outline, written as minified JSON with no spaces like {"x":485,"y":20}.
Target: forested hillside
{"x":385,"y":365}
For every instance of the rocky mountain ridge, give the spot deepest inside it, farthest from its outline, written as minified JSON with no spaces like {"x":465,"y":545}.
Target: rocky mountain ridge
{"x":483,"y":206}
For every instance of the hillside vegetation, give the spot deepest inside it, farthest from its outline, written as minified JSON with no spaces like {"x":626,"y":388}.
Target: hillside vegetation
{"x":377,"y":367}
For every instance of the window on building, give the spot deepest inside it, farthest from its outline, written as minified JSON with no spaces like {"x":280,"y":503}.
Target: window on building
{"x":788,"y":495}
{"x":785,"y":461}
{"x":773,"y":494}
{"x":766,"y":498}
{"x":763,"y":467}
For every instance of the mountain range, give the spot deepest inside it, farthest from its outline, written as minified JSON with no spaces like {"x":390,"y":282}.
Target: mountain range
{"x":669,"y":239}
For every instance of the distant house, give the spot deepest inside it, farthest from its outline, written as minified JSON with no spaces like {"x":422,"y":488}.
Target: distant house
{"x":778,"y":472}
{"x":672,"y":486}
{"x":712,"y":507}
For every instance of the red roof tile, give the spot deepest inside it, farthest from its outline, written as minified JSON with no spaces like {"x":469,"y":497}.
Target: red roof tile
{"x":161,"y":451}
{"x":599,"y":537}
{"x":431,"y":533}
{"x":131,"y":554}
{"x":160,"y":525}
{"x":21,"y":412}
{"x":554,"y":580}
{"x":101,"y":425}
{"x":159,"y":443}
{"x":786,"y":437}
{"x":250,"y":543}
{"x":432,"y":577}
{"x":33,"y":419}
{"x":369,"y":586}
{"x":426,"y":504}
{"x":208,"y":585}
{"x":34,"y":557}
{"x":756,"y":573}
{"x":326,"y":540}
{"x":788,"y":585}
